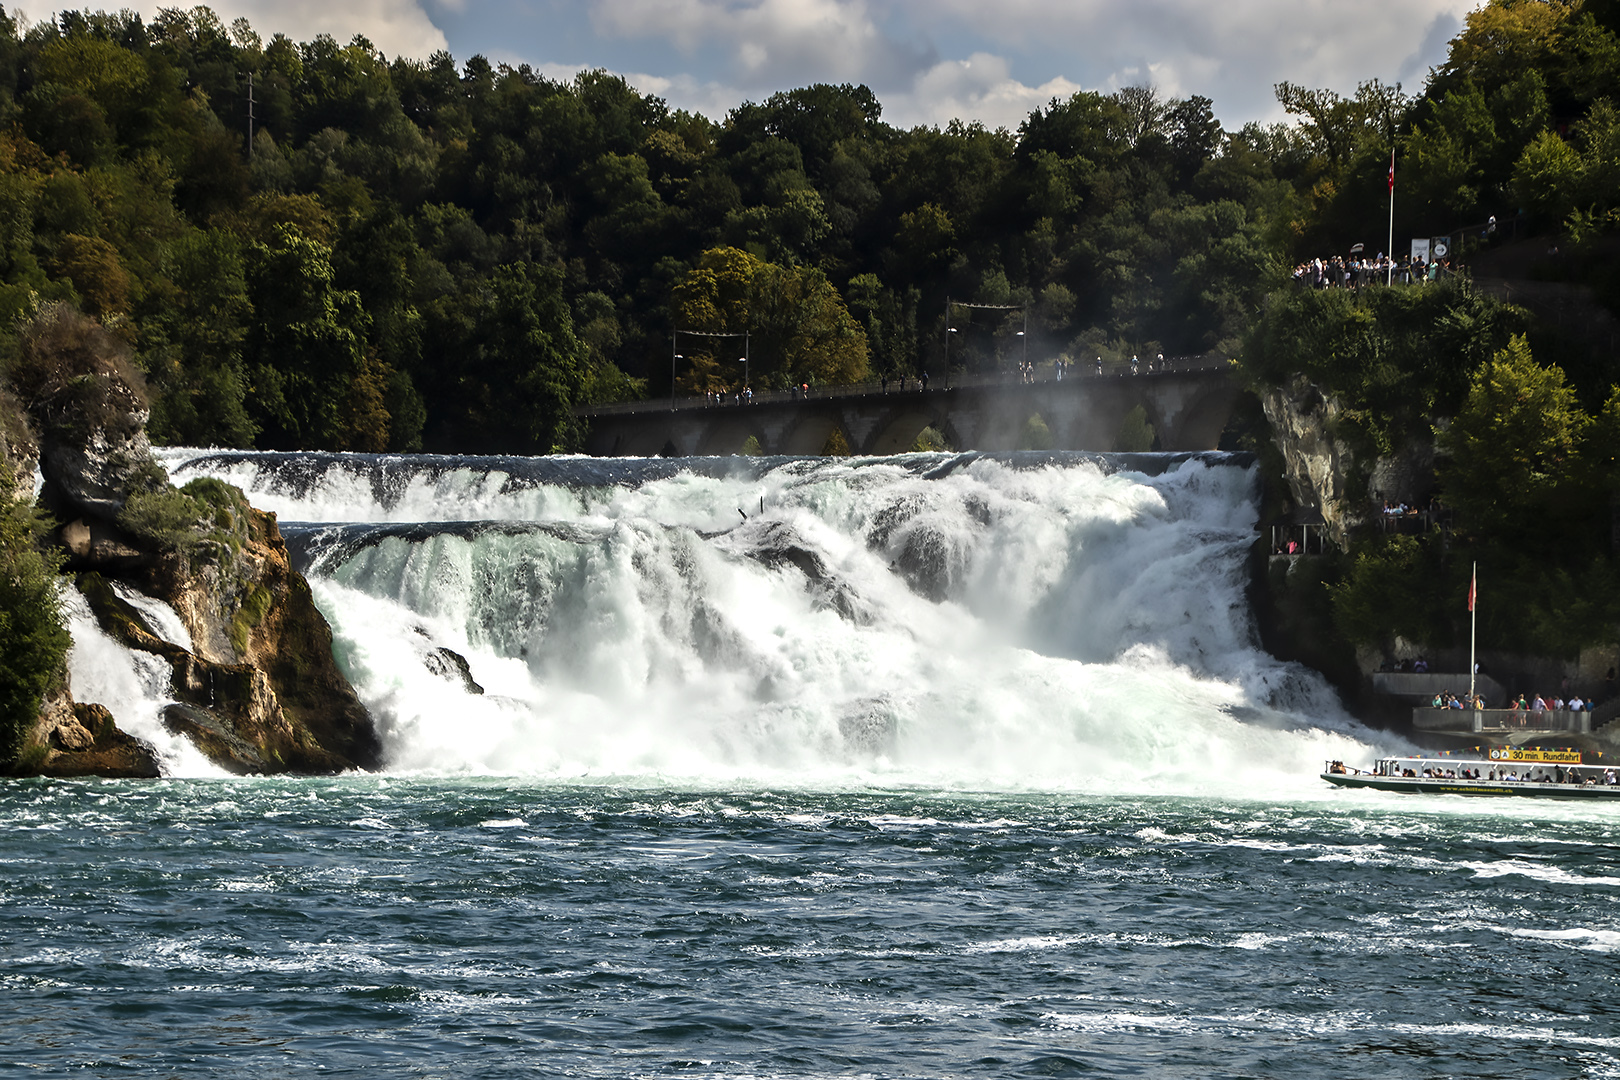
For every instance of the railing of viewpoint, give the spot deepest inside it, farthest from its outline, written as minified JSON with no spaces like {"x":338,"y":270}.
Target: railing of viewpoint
{"x":1502,"y":720}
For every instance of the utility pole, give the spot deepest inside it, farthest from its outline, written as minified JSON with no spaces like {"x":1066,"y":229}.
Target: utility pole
{"x":250,"y":104}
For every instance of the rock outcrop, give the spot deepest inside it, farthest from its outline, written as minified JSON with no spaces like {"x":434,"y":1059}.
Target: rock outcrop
{"x":258,"y":689}
{"x":80,"y":739}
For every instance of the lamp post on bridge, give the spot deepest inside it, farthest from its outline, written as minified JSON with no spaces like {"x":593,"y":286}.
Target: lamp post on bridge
{"x":674,"y":355}
{"x":1024,"y":333}
{"x":949,"y":329}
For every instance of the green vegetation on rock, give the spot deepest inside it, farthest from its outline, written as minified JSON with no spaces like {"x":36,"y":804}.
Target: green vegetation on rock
{"x":33,"y":639}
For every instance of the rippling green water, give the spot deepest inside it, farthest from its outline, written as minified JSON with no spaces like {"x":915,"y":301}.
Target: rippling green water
{"x":487,"y":929}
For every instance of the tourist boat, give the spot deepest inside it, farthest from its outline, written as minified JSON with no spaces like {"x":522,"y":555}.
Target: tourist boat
{"x":1505,"y":770}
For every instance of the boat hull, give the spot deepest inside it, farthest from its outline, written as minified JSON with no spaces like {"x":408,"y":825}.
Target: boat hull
{"x":1452,"y":786}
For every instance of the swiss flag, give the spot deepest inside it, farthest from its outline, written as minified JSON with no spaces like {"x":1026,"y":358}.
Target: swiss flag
{"x":1473,"y":582}
{"x":1392,"y":189}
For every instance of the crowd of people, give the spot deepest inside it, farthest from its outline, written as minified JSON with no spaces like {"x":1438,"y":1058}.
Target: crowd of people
{"x":1338,"y":272}
{"x":1525,"y":711}
{"x":1536,"y":775}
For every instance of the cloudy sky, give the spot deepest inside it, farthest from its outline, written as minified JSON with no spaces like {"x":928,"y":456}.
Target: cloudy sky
{"x":928,"y":60}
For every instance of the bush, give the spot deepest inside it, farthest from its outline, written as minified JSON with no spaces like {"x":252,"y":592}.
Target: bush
{"x":167,"y":519}
{"x":1136,"y":435}
{"x":1037,"y":436}
{"x":33,"y":640}
{"x":75,"y":377}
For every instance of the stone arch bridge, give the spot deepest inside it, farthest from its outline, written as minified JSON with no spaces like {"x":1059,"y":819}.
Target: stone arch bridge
{"x":1188,"y":406}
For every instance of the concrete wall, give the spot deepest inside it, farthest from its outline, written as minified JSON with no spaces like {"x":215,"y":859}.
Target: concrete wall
{"x":1422,"y":686}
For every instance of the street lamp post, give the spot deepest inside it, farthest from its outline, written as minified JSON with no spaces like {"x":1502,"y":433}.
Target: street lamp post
{"x":674,"y":343}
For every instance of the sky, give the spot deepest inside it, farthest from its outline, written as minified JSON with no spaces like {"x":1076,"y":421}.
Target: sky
{"x":928,"y":61}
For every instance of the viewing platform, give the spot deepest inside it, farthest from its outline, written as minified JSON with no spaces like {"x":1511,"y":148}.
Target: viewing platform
{"x":1504,"y":722}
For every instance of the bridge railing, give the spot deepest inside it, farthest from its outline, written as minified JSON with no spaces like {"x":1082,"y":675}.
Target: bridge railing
{"x":1119,"y":369}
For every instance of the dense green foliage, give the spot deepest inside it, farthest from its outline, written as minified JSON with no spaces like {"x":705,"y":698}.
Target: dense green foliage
{"x":33,"y":639}
{"x":1399,"y":357}
{"x":1520,"y":122}
{"x":413,"y":254}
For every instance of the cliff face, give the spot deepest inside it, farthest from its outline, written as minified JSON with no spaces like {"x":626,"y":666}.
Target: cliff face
{"x":1316,"y":463}
{"x":258,"y":689}
{"x":1323,"y":472}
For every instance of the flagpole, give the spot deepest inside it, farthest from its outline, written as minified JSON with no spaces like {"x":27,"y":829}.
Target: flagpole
{"x":1389,"y":270}
{"x":1473,"y":623}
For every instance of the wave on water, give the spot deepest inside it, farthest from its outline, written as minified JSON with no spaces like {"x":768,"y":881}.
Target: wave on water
{"x":1030,"y":621}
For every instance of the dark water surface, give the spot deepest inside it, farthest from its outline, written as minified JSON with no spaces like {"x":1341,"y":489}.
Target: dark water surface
{"x":486,"y":928}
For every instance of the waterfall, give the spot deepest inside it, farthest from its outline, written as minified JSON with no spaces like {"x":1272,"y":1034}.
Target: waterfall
{"x":1044,"y":621}
{"x":133,"y":685}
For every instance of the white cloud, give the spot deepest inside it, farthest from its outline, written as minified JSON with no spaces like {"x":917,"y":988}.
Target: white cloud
{"x":978,"y":88}
{"x":928,"y":60}
{"x":775,"y":43}
{"x":711,"y":99}
{"x":1020,"y":53}
{"x":1232,"y":52}
{"x":397,"y":27}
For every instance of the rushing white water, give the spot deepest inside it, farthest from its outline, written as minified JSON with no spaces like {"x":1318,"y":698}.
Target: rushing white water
{"x":134,"y":686}
{"x":1023,"y":621}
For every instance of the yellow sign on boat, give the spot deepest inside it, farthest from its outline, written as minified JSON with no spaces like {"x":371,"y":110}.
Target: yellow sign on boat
{"x":1514,"y":753}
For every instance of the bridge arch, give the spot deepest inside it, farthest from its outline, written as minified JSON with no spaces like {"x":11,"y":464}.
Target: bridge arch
{"x":900,"y":433}
{"x":649,"y":441}
{"x":1201,"y":423}
{"x":729,"y":435}
{"x":809,"y":436}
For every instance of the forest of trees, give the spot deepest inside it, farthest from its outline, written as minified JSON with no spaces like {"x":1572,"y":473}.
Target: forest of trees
{"x":412,"y":254}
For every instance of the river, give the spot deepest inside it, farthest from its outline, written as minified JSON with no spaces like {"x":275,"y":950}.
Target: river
{"x":928,"y":766}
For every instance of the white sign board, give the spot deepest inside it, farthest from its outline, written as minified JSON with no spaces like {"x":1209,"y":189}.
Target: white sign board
{"x":1420,"y":250}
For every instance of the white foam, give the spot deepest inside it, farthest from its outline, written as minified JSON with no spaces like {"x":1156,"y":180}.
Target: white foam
{"x":1581,"y":937}
{"x":1061,"y":628}
{"x":133,"y":686}
{"x":159,"y":617}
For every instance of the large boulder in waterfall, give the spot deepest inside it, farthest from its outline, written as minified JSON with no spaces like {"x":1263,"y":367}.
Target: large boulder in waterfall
{"x":259,"y":687}
{"x":78,"y":739}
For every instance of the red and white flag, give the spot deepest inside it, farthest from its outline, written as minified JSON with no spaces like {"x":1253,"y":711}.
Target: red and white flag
{"x":1473,"y":582}
{"x":1392,"y":191}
